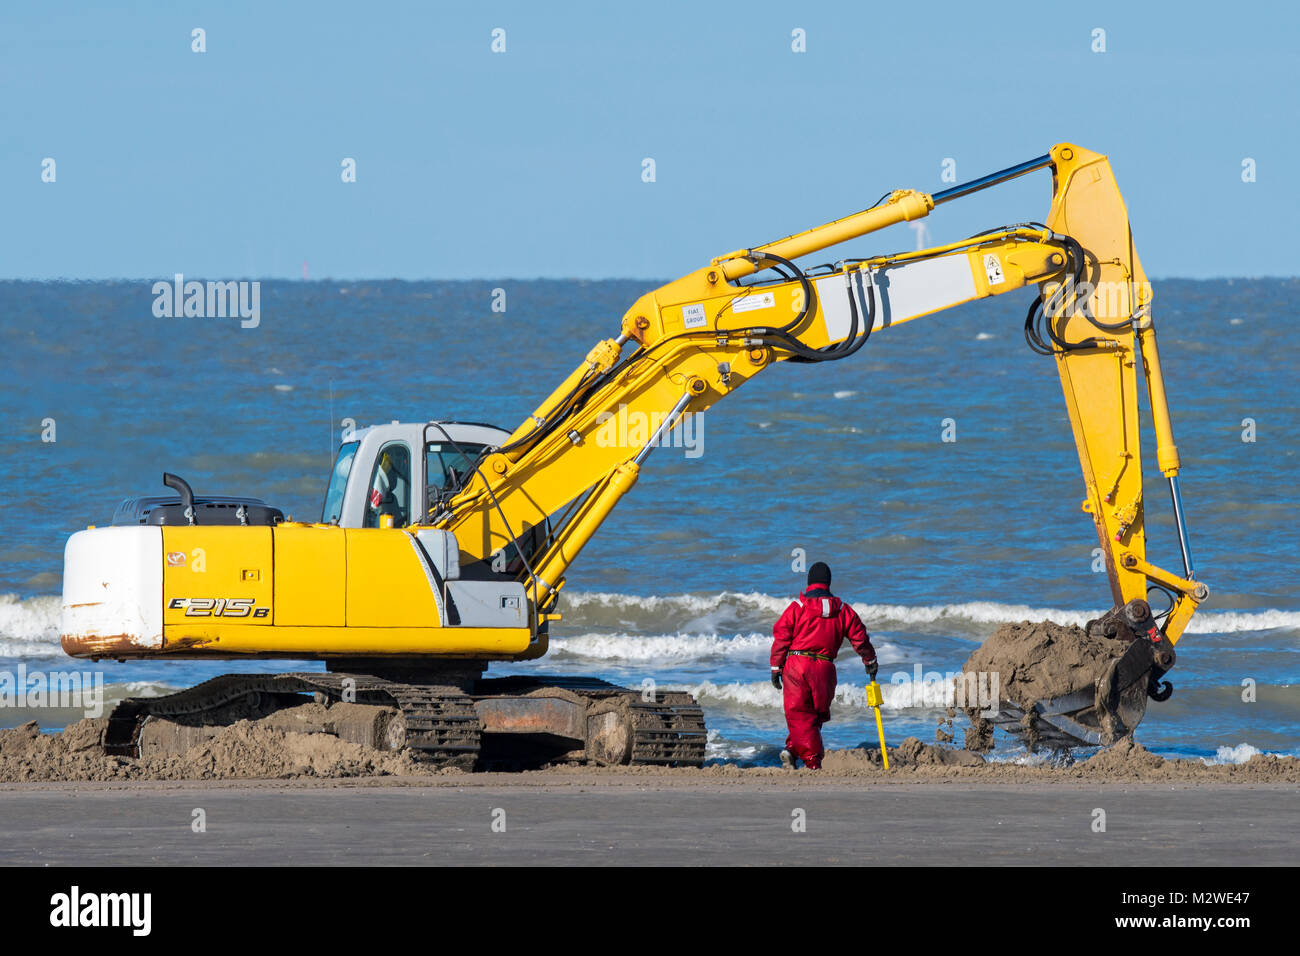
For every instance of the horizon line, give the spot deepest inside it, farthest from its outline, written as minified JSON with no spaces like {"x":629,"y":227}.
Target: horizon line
{"x":661,"y":279}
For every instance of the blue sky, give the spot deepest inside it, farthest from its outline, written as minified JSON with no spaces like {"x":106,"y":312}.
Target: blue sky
{"x":528,"y":163}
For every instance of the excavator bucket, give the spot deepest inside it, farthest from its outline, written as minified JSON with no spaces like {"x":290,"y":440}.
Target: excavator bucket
{"x":1064,"y":687}
{"x":1072,"y":720}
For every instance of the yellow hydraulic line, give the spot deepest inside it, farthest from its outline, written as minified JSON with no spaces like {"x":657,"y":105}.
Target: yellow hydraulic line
{"x":600,"y":359}
{"x":876,"y":697}
{"x":903,"y":206}
{"x":1166,"y":450}
{"x":594,"y":511}
{"x":564,"y":551}
{"x":1034,"y":235}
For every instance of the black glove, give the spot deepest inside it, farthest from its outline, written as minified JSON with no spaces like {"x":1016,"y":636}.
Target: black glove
{"x":872,"y":668}
{"x":776,"y":678}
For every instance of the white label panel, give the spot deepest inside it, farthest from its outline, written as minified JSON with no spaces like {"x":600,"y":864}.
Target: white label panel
{"x":693,"y":317}
{"x":902,"y":292}
{"x":993,"y":269}
{"x":753,"y":302}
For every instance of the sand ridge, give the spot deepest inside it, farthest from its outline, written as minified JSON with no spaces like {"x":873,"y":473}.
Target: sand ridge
{"x":1035,"y":661}
{"x":249,"y":751}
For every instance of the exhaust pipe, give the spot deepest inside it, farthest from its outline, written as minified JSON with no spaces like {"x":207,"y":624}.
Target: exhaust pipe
{"x":182,"y":487}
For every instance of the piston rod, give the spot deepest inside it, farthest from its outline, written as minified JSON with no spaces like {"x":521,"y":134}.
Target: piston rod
{"x":992,"y":179}
{"x":1190,"y":572}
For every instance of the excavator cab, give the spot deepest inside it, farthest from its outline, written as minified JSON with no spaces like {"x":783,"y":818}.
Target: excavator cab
{"x":401,"y":471}
{"x":407,"y":472}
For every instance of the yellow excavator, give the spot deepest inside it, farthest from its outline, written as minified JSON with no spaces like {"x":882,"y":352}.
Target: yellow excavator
{"x":444,"y":546}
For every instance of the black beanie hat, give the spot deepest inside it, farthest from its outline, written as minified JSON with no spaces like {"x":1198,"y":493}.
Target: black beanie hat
{"x":819,"y":573}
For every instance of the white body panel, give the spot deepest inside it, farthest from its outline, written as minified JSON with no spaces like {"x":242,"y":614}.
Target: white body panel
{"x":489,"y":603}
{"x":112,"y":585}
{"x":443,"y":551}
{"x":903,"y":292}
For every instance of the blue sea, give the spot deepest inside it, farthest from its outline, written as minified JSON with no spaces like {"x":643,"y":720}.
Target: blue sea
{"x":935,"y":543}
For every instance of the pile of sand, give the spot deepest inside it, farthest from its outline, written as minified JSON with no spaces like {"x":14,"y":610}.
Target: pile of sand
{"x":1125,"y":762}
{"x":310,"y":741}
{"x":910,"y":753}
{"x":1041,"y":660}
{"x":250,"y":750}
{"x":244,"y":750}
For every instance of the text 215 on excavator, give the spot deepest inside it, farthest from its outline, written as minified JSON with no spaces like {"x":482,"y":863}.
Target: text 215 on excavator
{"x":444,"y":546}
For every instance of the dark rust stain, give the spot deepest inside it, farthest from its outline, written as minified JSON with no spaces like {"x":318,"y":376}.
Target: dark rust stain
{"x":105,"y":645}
{"x":182,"y":643}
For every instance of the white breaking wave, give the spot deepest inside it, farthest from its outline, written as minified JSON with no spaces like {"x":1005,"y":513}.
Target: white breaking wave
{"x":903,"y":615}
{"x":718,"y":747}
{"x":20,"y":650}
{"x":934,"y":695}
{"x":662,"y":649}
{"x":977,"y":612}
{"x":667,"y":649}
{"x":986,"y":612}
{"x":30,"y":627}
{"x":1232,"y":622}
{"x":139,"y":688}
{"x":675,"y":602}
{"x":1238,"y":754}
{"x":1235,"y":755}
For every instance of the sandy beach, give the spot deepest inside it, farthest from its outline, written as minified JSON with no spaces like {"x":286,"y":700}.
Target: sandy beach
{"x":253,"y":795}
{"x":646,"y":818}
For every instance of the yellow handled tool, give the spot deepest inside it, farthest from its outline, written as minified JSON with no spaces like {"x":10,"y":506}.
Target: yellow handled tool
{"x":876,"y":697}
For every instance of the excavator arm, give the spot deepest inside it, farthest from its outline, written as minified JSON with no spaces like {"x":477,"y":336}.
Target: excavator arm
{"x":688,"y":344}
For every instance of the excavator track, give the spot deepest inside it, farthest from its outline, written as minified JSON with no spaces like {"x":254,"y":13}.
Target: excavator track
{"x":437,"y":722}
{"x":441,"y":723}
{"x":670,"y":732}
{"x":666,"y":727}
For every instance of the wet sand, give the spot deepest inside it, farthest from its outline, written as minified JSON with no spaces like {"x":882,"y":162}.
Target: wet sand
{"x":259,"y":750}
{"x":269,"y":796}
{"x":646,"y":818}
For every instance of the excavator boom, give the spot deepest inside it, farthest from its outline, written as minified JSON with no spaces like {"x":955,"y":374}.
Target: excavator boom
{"x":698,"y":339}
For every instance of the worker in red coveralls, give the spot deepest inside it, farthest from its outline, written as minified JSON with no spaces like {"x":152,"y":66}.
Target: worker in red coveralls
{"x":805,"y":642}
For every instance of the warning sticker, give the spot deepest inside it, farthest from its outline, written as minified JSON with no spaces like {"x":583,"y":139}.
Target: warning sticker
{"x":993,"y":269}
{"x":750,"y":303}
{"x":693,"y":317}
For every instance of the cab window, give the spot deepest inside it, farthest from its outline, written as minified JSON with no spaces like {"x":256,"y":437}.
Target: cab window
{"x":445,"y":466}
{"x":390,"y":487}
{"x":333,"y":509}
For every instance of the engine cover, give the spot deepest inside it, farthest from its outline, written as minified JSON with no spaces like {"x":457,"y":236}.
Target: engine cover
{"x":208,"y":510}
